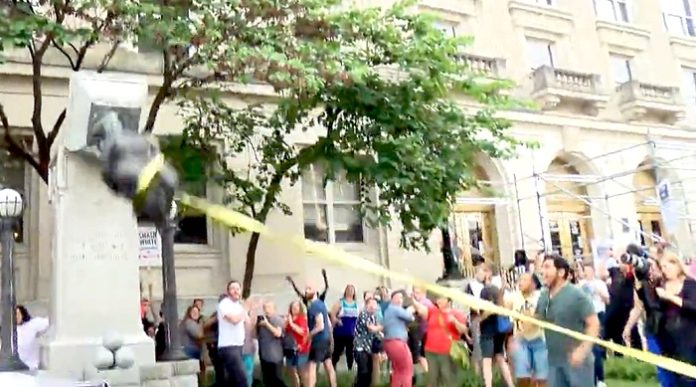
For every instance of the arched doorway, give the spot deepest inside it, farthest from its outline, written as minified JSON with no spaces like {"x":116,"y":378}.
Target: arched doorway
{"x":474,"y":221}
{"x":647,"y":204}
{"x":569,"y":218}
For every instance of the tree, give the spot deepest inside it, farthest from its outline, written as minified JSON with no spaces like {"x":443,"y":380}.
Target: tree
{"x":394,"y":120}
{"x":203,"y":44}
{"x":381,"y":82}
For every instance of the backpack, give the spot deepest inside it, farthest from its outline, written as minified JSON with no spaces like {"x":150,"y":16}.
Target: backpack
{"x":504,"y":325}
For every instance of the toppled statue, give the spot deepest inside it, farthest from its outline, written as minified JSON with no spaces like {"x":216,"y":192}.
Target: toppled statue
{"x":124,"y":154}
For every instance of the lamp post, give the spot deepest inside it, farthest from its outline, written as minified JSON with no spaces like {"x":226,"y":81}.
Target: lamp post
{"x":173,"y":350}
{"x":10,"y":211}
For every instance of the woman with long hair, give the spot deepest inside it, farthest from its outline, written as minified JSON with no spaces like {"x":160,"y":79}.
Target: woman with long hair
{"x":493,"y":339}
{"x":28,"y":331}
{"x":191,"y":333}
{"x":678,"y":301}
{"x":296,"y":343}
{"x":344,"y":316}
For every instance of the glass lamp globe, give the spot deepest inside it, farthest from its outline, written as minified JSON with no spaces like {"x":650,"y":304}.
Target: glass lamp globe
{"x":10,"y":203}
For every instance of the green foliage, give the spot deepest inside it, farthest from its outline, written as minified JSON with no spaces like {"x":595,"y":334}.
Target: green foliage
{"x":390,"y":103}
{"x":385,"y":94}
{"x":629,"y":369}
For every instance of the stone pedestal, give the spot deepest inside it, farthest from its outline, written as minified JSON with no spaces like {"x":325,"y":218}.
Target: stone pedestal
{"x":171,"y":374}
{"x":95,"y":283}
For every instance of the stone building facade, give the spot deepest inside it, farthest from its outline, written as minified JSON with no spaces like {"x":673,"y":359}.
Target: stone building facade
{"x":615,"y":82}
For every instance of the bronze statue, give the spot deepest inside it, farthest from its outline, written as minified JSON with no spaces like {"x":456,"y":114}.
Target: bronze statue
{"x":124,"y":154}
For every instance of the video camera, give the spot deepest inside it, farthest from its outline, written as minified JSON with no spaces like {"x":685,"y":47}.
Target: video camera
{"x":637,"y":257}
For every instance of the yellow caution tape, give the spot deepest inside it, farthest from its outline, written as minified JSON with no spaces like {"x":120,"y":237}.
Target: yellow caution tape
{"x":324,"y":251}
{"x":231,"y":218}
{"x":151,"y":169}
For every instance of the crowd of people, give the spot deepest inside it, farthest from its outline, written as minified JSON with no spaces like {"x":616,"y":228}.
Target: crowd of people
{"x":642,"y":299}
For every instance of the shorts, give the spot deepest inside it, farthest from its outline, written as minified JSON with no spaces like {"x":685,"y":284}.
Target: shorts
{"x":192,"y":352}
{"x":297,"y":360}
{"x":320,"y":351}
{"x":566,"y":376}
{"x":492,"y":345}
{"x":530,"y":359}
{"x":416,"y":346}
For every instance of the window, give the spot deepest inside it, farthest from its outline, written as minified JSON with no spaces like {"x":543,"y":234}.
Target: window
{"x":331,"y":212}
{"x":688,"y":88}
{"x":447,"y":28}
{"x":612,"y":10}
{"x":539,"y":53}
{"x":12,"y":176}
{"x":621,"y":69}
{"x":190,"y":163}
{"x":677,"y":17}
{"x":192,"y":225}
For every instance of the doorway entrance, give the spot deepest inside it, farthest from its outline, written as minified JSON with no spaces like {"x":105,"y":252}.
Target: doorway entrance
{"x":647,"y":206}
{"x":570,"y":234}
{"x":475,"y":233}
{"x":569,"y":219}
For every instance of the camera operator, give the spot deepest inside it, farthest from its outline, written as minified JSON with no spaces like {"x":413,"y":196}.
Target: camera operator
{"x":677,"y":295}
{"x":620,"y":301}
{"x":269,"y":331}
{"x":647,"y":305}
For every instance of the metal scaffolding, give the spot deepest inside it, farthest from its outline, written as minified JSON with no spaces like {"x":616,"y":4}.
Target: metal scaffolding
{"x":658,"y":166}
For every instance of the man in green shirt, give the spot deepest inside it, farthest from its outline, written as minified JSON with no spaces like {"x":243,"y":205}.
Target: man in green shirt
{"x":570,"y":362}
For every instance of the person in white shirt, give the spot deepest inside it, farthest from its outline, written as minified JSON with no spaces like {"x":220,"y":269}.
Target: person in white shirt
{"x":529,"y":354}
{"x":232,"y":318}
{"x":597,"y":290}
{"x":474,"y":288}
{"x":28,"y":331}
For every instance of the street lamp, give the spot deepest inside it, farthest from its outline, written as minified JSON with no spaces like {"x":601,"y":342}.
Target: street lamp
{"x":10,"y":211}
{"x":173,"y":350}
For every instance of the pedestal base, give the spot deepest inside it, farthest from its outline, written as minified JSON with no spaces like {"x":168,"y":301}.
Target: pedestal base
{"x":68,"y":357}
{"x":171,"y":374}
{"x":12,"y":363}
{"x":173,"y":355}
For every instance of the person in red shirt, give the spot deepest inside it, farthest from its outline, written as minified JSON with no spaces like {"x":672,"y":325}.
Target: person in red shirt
{"x":441,"y":322}
{"x":296,"y":343}
{"x":461,"y":318}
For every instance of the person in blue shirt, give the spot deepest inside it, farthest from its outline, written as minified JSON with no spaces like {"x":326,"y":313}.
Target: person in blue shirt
{"x":395,"y":323}
{"x":320,"y":334}
{"x":344,"y":315}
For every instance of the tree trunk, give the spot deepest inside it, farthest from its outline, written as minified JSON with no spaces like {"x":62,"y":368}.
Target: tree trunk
{"x":250,"y":263}
{"x":447,"y":254}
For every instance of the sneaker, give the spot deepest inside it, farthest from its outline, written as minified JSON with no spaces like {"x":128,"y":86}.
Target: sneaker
{"x":601,"y":384}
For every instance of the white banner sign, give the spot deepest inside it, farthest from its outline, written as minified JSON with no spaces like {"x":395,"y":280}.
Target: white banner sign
{"x":669,"y":207}
{"x":150,"y":246}
{"x":601,"y":250}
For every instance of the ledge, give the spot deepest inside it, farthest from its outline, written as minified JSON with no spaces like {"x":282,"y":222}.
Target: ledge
{"x":639,"y":100}
{"x":553,"y":87}
{"x":684,"y":48}
{"x":483,"y":65}
{"x":543,"y":21}
{"x":622,"y":38}
{"x":457,"y":8}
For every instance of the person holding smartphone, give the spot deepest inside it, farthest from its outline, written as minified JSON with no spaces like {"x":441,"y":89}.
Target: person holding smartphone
{"x":269,"y":332}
